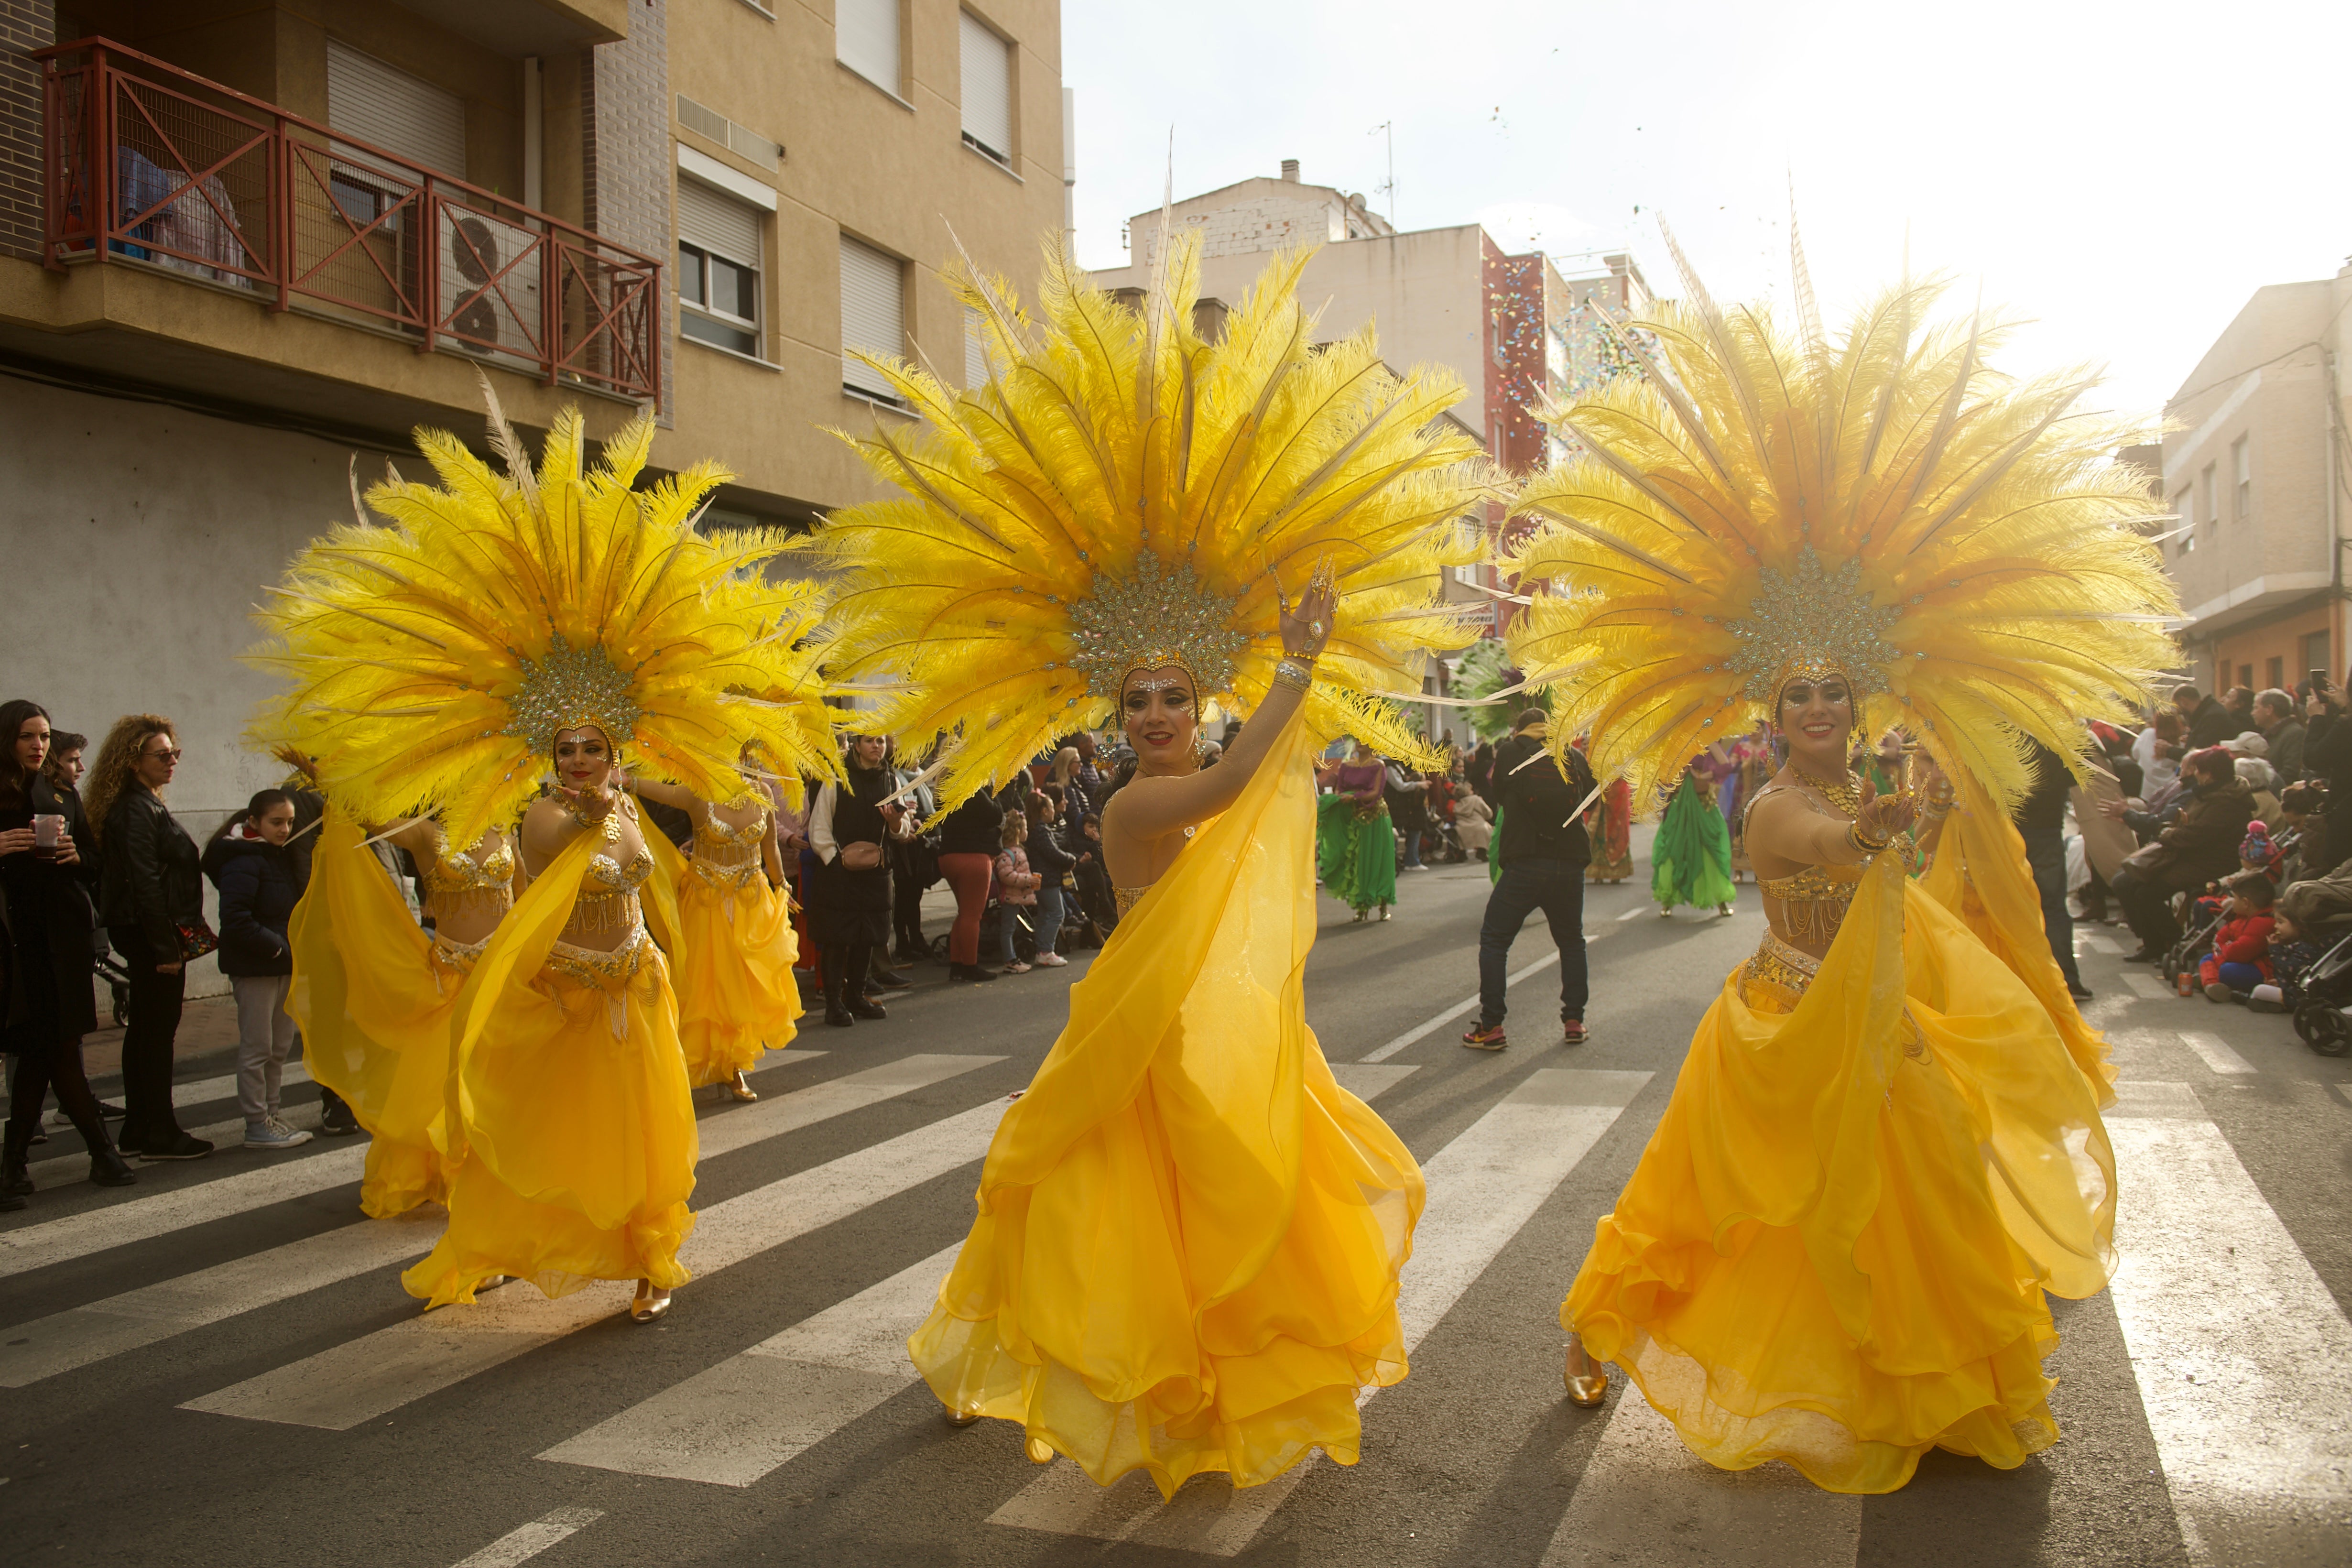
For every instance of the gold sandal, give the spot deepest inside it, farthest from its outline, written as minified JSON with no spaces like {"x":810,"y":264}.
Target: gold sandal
{"x":650,"y":1304}
{"x":1586,"y":1389}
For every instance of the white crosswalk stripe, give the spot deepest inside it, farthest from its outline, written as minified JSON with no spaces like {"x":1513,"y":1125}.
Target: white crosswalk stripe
{"x":2214,"y":1052}
{"x":80,"y":1335}
{"x":732,"y":1424}
{"x":2242,"y":1357}
{"x":364,"y":1378}
{"x":1482,"y":1187}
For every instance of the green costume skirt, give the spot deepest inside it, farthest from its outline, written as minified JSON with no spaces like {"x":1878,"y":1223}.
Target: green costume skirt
{"x":1355,"y":856}
{"x":1691,"y":861}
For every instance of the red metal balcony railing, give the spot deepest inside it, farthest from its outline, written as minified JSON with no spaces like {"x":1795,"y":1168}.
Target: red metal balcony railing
{"x":150,"y":165}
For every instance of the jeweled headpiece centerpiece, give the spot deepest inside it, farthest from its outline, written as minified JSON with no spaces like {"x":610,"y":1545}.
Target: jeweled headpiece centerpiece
{"x":1158,"y":614}
{"x":1810,"y":621}
{"x":571,"y":689}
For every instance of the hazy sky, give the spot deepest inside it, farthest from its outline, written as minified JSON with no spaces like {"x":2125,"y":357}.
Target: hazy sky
{"x":2123,"y":174}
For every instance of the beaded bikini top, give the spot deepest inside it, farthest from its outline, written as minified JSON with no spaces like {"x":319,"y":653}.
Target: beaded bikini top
{"x":456,"y":881}
{"x":607,"y":899}
{"x":1813,"y":899}
{"x":727,"y":853}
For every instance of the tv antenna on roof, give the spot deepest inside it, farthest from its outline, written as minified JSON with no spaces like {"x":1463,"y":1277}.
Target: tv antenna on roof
{"x":1388,"y":128}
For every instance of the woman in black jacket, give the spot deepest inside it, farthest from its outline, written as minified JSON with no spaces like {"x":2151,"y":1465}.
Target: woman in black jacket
{"x":151,"y":902}
{"x":261,"y":880}
{"x":968,"y":846}
{"x":45,"y":855}
{"x":849,"y":892}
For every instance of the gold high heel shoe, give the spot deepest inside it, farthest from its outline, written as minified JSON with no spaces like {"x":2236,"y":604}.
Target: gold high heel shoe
{"x":742,"y":1087}
{"x":1588,"y":1388}
{"x":959,"y":1418}
{"x":650,"y":1303}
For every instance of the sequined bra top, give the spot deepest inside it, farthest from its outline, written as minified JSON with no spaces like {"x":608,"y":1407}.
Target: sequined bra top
{"x":1813,"y":899}
{"x":727,"y":856}
{"x":467,"y":882}
{"x":607,"y":900}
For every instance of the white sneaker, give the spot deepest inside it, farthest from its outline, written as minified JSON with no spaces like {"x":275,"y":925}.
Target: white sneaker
{"x":1051,"y":961}
{"x":1015,"y":967}
{"x":274,"y":1135}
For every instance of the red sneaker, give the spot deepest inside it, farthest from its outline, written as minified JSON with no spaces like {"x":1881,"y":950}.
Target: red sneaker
{"x":1485,"y":1037}
{"x":1571,"y":1032}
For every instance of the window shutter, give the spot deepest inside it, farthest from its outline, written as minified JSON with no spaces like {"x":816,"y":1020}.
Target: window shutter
{"x":975,"y":352}
{"x":371,"y":101}
{"x":987,"y":86}
{"x":865,"y":39}
{"x":718,"y":223}
{"x":873,"y":314}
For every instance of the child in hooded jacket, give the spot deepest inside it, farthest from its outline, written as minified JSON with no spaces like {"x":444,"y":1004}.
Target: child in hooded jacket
{"x":2241,"y":957}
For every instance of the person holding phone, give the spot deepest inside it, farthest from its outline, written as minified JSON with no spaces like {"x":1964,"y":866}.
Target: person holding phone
{"x":849,"y":896}
{"x":45,"y":875}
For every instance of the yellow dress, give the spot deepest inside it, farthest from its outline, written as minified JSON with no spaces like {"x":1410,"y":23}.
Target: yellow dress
{"x":568,"y":1110}
{"x":374,"y":994}
{"x":733,"y":959}
{"x":1981,"y":874}
{"x":1189,"y":1237}
{"x":1834,"y":1248}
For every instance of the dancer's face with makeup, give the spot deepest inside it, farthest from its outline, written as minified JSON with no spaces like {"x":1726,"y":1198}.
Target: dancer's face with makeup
{"x":1817,"y":716}
{"x":583,"y":760}
{"x":1157,"y":708}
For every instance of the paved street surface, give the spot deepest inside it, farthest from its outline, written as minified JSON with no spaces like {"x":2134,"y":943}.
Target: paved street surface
{"x":218,"y":1365}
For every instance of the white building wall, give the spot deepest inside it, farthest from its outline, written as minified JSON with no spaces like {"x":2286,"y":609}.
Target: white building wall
{"x":137,"y":540}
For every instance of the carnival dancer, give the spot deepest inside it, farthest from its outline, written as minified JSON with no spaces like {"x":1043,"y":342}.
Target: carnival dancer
{"x":504,"y":626}
{"x":1690,"y":859}
{"x":1188,"y":1234}
{"x":1757,"y":763}
{"x":1877,"y":1129}
{"x":732,"y":967}
{"x":1611,"y":831}
{"x":1355,"y":843}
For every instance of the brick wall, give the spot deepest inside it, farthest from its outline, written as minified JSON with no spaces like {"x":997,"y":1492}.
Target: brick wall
{"x":24,"y":25}
{"x":1515,"y":349}
{"x":626,"y":138}
{"x":1250,"y":228}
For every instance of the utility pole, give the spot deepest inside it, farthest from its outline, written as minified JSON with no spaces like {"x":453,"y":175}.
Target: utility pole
{"x":1388,"y":128}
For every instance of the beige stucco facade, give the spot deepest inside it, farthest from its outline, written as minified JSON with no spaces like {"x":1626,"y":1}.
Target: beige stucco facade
{"x":2253,"y":469}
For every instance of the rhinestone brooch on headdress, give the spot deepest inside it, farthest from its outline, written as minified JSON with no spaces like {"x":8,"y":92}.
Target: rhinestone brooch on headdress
{"x":1821,"y":618}
{"x":1159,"y":615}
{"x":571,"y":688}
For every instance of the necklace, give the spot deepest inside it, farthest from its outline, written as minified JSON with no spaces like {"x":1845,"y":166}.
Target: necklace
{"x":1846,"y":795}
{"x":610,"y":822}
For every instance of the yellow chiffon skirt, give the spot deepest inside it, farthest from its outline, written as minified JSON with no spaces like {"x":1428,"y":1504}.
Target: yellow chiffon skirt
{"x":1835,"y":1250}
{"x":374,"y":997}
{"x":735,"y":996}
{"x":1189,"y":1237}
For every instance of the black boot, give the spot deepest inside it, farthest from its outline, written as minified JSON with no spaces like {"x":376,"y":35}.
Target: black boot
{"x":837,"y":1012}
{"x":107,"y":1168}
{"x":14,"y":1181}
{"x":864,"y":1006}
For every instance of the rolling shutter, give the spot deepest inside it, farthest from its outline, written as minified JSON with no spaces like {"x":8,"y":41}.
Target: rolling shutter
{"x":865,"y":39}
{"x":987,"y":86}
{"x":718,"y":223}
{"x":371,"y":101}
{"x":975,"y":351}
{"x":873,"y":314}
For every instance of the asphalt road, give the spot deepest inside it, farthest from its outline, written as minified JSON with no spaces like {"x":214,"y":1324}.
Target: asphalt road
{"x":218,"y":1364}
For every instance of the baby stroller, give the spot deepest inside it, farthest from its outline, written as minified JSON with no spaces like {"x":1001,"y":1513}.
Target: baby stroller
{"x":2326,"y":986}
{"x":117,"y":984}
{"x":2204,"y":916}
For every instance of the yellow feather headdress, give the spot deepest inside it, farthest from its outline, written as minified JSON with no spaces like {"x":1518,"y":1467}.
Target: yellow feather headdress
{"x":1123,"y":494}
{"x":433,"y":660}
{"x":1752,"y":507}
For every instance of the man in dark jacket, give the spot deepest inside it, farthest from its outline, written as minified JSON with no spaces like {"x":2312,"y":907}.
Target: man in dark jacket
{"x":2200,"y":847}
{"x":1542,"y":851}
{"x":2206,"y":722}
{"x":2042,"y":822}
{"x":2274,"y":716}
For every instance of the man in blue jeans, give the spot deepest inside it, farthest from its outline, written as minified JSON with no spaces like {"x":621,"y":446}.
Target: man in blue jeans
{"x":2042,"y":822}
{"x":1542,"y":851}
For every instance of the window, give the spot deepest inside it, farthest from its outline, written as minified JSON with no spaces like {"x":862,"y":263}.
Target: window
{"x":373,"y":103}
{"x":987,"y":89}
{"x":2314,"y":655}
{"x":2275,"y":673}
{"x":873,"y":315}
{"x":718,"y":268}
{"x":865,"y":39}
{"x":2184,"y":507}
{"x":975,"y":350}
{"x":2206,"y":508}
{"x":2246,"y":676}
{"x":2241,"y":479}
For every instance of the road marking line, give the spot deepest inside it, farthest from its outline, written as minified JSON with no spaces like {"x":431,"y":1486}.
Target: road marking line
{"x":521,"y":1545}
{"x":137,"y":1219}
{"x":2097,"y":942}
{"x":732,"y":1424}
{"x":1636,"y":912}
{"x":2215,"y":1052}
{"x":63,"y":1341}
{"x":1422,"y":1030}
{"x":1641,"y":1487}
{"x":2343,"y":1092}
{"x":377,"y":1374}
{"x":63,"y":1169}
{"x":1483,"y":1187}
{"x":2242,"y":1357}
{"x":2150,"y":987}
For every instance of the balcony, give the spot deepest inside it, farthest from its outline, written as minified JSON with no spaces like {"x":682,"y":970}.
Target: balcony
{"x":150,"y":167}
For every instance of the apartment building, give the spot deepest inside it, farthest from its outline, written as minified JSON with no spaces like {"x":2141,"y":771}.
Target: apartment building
{"x":243,"y":242}
{"x":1451,"y":298}
{"x":2254,"y":468}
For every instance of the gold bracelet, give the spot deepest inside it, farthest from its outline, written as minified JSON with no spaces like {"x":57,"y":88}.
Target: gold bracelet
{"x":1296,"y":673}
{"x":1866,"y":845}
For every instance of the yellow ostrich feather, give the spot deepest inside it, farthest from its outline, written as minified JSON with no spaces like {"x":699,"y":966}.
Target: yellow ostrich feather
{"x":1116,"y":458}
{"x":431,"y":660}
{"x":1962,"y":541}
